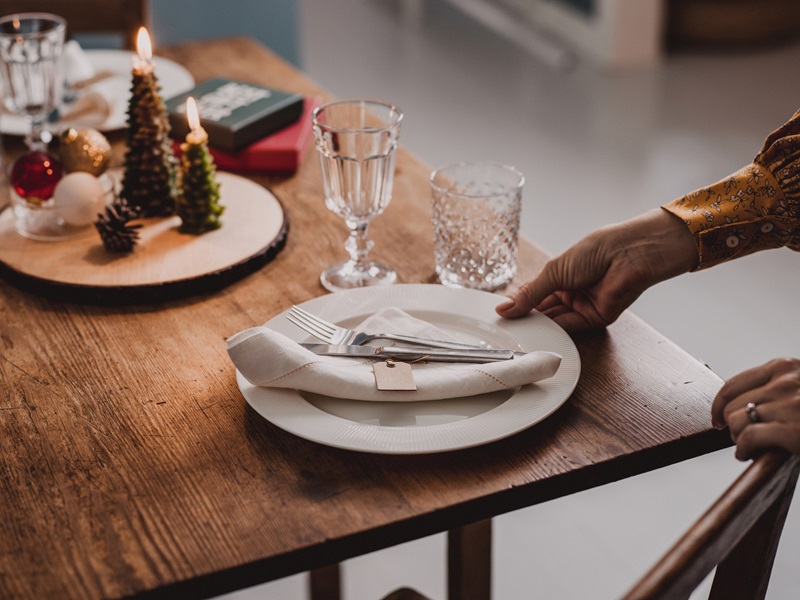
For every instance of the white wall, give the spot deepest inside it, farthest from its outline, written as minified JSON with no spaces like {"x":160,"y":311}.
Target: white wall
{"x":620,"y":35}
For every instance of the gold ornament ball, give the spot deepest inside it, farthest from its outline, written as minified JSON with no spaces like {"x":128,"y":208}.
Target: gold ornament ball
{"x":84,"y":150}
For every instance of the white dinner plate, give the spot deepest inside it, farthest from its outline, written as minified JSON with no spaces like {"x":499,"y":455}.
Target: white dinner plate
{"x":173,"y":78}
{"x":430,"y":426}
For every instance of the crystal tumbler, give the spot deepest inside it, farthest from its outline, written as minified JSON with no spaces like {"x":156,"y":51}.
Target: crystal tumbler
{"x":476,"y":213}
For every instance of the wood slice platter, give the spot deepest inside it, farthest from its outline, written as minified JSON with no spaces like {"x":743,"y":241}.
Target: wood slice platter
{"x":165,"y":265}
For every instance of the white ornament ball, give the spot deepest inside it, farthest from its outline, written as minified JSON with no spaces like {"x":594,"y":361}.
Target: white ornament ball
{"x":79,"y":197}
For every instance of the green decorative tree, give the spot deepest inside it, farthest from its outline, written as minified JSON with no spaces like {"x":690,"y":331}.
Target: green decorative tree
{"x":150,"y":166}
{"x":198,"y":203}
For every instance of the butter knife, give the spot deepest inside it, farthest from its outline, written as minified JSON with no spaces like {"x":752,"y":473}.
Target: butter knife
{"x":483,"y":355}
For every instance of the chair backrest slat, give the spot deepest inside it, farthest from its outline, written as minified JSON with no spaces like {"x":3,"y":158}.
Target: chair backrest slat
{"x":121,"y":17}
{"x":740,"y":533}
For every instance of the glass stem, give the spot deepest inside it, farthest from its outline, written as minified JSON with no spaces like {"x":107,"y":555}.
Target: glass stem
{"x":35,"y":139}
{"x":358,"y":244}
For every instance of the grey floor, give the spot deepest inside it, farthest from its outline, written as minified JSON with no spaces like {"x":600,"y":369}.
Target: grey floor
{"x":595,"y":149}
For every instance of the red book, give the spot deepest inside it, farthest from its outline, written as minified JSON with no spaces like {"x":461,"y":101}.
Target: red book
{"x":281,"y":151}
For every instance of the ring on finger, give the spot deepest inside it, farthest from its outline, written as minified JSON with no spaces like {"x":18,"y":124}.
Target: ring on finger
{"x":752,"y":412}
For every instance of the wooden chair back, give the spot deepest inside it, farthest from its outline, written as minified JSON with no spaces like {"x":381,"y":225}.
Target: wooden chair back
{"x":739,"y":535}
{"x":119,"y":17}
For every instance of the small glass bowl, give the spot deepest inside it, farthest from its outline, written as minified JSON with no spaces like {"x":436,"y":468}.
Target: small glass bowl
{"x":43,"y":222}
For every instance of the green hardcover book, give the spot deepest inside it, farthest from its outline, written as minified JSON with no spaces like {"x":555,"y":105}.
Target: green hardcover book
{"x":235,"y":114}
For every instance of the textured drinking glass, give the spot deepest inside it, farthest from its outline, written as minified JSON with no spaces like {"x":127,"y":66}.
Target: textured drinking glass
{"x":476,"y":209}
{"x":30,"y":47}
{"x":357,"y":145}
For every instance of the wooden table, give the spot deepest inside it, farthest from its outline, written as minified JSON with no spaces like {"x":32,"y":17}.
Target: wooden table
{"x":131,"y":464}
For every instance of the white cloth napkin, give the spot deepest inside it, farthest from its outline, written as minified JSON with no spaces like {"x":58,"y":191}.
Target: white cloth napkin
{"x":91,"y":108}
{"x":93,"y":104}
{"x":75,"y":63}
{"x":270,"y":359}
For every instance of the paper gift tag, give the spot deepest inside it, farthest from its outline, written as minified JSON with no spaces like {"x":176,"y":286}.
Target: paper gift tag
{"x":391,"y":375}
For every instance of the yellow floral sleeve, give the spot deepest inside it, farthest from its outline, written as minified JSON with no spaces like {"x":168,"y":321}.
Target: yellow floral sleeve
{"x":756,"y":208}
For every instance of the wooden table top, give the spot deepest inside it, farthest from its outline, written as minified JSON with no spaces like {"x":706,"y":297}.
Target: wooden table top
{"x":131,"y":464}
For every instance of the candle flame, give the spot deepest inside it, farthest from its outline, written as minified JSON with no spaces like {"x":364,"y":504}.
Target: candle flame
{"x":192,"y":114}
{"x":143,"y":46}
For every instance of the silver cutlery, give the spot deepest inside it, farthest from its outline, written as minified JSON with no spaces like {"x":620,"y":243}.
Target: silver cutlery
{"x":462,"y":355}
{"x":333,"y":334}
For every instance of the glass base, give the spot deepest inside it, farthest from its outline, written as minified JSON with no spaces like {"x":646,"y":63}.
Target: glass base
{"x":349,"y":275}
{"x":478,"y":279}
{"x":48,"y":222}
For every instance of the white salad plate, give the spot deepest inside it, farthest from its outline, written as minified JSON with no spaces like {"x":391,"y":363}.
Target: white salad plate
{"x":427,"y":426}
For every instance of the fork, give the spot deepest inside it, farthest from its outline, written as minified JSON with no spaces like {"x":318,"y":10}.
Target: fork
{"x":333,"y":334}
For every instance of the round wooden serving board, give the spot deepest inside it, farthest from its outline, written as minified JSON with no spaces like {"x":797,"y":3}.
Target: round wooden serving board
{"x":165,"y":264}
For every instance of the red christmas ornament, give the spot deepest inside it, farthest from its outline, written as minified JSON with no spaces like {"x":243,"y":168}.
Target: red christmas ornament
{"x":35,"y":175}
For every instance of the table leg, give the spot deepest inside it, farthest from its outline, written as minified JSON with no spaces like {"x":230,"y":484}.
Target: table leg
{"x":469,"y":562}
{"x":325,"y":583}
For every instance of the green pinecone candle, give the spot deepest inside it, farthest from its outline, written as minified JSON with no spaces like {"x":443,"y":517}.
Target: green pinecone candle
{"x":150,"y":178}
{"x":198,"y":203}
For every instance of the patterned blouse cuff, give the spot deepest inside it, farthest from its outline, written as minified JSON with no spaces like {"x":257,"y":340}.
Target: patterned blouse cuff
{"x":741,"y":214}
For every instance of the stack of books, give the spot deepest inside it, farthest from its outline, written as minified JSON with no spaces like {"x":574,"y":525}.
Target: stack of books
{"x":251,"y":128}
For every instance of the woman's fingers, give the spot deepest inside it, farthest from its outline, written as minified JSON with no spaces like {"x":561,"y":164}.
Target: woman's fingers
{"x":530,"y":294}
{"x":747,"y":382}
{"x":553,"y":301}
{"x":733,"y":410}
{"x":778,"y":411}
{"x":761,"y":406}
{"x":760,"y":436}
{"x":737,"y":385}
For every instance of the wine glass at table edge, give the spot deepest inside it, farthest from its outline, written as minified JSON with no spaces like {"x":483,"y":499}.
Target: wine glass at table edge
{"x":30,"y":48}
{"x":357,"y":145}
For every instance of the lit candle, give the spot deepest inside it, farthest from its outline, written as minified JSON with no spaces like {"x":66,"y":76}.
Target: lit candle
{"x":197,"y":135}
{"x":198,"y":204}
{"x":143,"y":62}
{"x":150,"y":170}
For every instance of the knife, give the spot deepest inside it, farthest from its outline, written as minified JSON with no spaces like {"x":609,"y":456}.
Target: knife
{"x":402,"y":353}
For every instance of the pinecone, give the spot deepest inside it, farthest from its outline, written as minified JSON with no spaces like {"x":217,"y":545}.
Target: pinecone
{"x":113,"y":226}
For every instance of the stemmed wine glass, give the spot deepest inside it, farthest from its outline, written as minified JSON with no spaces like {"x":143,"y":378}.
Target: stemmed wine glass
{"x":30,"y":47}
{"x":357,"y":145}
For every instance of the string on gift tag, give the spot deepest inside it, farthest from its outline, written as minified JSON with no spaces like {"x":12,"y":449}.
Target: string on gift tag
{"x":395,"y":376}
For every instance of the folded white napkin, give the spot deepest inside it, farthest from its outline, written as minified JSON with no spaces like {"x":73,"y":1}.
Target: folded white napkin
{"x":91,"y":108}
{"x":92,"y":103}
{"x":269,"y":359}
{"x":75,"y":63}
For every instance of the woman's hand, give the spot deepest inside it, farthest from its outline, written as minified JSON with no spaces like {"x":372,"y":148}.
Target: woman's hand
{"x":595,"y":280}
{"x":774,"y":390}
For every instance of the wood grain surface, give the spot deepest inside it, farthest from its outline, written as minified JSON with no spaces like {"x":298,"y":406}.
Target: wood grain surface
{"x":131,"y":464}
{"x":166,"y":264}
